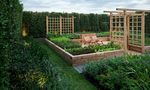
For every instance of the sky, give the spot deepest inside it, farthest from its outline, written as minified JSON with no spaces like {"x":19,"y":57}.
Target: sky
{"x":83,"y":6}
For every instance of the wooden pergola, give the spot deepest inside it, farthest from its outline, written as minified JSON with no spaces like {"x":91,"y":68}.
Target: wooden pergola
{"x":127,"y":27}
{"x":59,"y":25}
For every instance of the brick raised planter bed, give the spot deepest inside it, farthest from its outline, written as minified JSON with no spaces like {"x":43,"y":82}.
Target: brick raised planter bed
{"x":80,"y":59}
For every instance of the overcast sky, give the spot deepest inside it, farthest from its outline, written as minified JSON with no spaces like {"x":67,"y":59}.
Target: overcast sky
{"x":83,"y":6}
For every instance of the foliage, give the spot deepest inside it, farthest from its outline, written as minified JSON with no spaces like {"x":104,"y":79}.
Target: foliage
{"x":36,"y":22}
{"x":121,"y":73}
{"x":74,"y":48}
{"x":70,"y":79}
{"x":10,"y":23}
{"x":102,"y":34}
{"x":30,"y":68}
{"x":147,"y":40}
{"x":24,"y":65}
{"x":64,"y":42}
{"x":70,"y":36}
{"x":80,"y":50}
{"x":108,"y":47}
{"x":147,"y":23}
{"x":93,"y":49}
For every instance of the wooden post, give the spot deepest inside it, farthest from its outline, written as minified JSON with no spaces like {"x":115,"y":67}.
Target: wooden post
{"x":128,"y":29}
{"x":72,"y":24}
{"x":60,"y":25}
{"x":143,"y":32}
{"x":46,"y":25}
{"x":125,"y":31}
{"x":110,"y":28}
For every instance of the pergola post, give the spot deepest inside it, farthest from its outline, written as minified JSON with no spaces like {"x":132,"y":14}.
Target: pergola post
{"x":110,"y":28}
{"x":60,"y":23}
{"x":143,"y":32}
{"x":133,"y":26}
{"x":125,"y":31}
{"x":72,"y":24}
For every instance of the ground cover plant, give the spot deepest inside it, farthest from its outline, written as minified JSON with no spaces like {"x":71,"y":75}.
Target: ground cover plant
{"x":65,"y":42}
{"x":120,"y":73}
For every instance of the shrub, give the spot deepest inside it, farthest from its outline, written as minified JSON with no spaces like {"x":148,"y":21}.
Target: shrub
{"x":10,"y":24}
{"x":31,"y":68}
{"x":126,"y":73}
{"x":36,"y":22}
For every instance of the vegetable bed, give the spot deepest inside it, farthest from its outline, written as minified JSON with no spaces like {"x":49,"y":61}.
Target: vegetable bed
{"x":65,"y":42}
{"x":121,"y":73}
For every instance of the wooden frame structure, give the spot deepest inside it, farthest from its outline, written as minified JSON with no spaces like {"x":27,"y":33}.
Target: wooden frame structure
{"x":59,"y":25}
{"x":127,"y":27}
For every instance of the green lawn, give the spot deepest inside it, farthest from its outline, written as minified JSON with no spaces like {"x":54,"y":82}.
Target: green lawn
{"x":70,"y":76}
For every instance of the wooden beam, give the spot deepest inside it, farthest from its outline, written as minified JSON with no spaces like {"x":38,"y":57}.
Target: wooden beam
{"x":110,"y":28}
{"x":72,"y":24}
{"x":143,"y":32}
{"x":112,"y":12}
{"x":60,"y":23}
{"x":140,"y":10}
{"x":125,"y":31}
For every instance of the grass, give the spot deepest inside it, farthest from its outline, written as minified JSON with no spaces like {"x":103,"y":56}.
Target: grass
{"x":69,"y":76}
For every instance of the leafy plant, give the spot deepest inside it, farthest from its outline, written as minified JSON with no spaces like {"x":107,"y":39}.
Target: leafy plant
{"x":31,"y":69}
{"x":74,"y":48}
{"x":64,"y":42}
{"x":102,"y":34}
{"x":126,"y":72}
{"x":78,"y":51}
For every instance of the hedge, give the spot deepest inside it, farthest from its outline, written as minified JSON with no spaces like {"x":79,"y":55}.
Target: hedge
{"x":10,"y":25}
{"x":23,"y":65}
{"x":36,"y":22}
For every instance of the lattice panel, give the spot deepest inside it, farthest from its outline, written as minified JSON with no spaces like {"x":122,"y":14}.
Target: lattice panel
{"x":60,"y":25}
{"x":54,"y":25}
{"x":128,"y":28}
{"x":67,"y":25}
{"x":135,"y":28}
{"x":117,"y":29}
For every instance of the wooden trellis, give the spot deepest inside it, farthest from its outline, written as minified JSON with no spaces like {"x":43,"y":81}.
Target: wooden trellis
{"x":128,"y":28}
{"x":59,"y":25}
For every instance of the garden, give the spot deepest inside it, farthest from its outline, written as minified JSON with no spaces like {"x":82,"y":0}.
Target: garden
{"x":75,"y":48}
{"x":37,"y":60}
